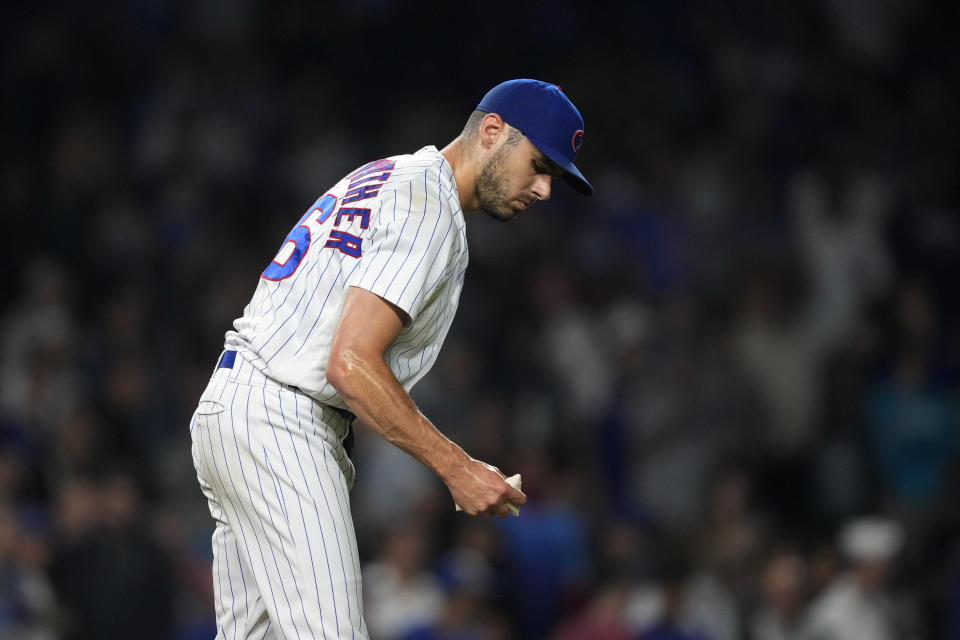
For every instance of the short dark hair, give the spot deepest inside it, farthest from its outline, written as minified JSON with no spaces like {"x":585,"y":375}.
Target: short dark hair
{"x":472,"y":127}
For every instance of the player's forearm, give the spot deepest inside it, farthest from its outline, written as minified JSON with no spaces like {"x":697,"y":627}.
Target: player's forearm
{"x":374,"y":395}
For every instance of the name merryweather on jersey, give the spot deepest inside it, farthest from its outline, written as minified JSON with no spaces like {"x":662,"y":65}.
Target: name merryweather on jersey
{"x":393,"y":227}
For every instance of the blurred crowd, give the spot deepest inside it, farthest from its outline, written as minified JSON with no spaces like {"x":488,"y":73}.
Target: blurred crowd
{"x":729,"y":381}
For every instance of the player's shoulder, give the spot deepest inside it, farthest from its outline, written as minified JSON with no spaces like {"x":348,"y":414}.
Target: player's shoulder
{"x":421,"y":181}
{"x":427,"y":163}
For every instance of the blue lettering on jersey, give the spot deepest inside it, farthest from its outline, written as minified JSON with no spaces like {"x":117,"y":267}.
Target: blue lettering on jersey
{"x":376,"y":166}
{"x":362,"y":193}
{"x":350,"y":214}
{"x":346,"y":242}
{"x":324,"y":206}
{"x":364,"y":183}
{"x":381,"y":177}
{"x":299,"y":236}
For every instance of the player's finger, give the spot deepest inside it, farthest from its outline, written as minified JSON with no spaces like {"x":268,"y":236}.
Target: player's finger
{"x":500,"y":510}
{"x":508,"y":504}
{"x":516,"y":496}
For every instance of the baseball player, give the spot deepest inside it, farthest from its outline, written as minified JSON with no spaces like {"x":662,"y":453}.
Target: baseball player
{"x":346,"y":318}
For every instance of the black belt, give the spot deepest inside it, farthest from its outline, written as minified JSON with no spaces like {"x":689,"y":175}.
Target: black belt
{"x":229,"y":358}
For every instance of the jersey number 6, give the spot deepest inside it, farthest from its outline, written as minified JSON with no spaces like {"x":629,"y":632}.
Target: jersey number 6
{"x":297,"y":242}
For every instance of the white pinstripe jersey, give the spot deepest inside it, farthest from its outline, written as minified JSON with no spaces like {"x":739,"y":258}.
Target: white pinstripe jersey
{"x":393,"y":227}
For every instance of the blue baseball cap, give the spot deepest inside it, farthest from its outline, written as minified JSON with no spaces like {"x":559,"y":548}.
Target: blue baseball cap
{"x":546,"y":116}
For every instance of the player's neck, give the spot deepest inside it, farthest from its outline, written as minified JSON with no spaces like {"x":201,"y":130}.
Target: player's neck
{"x":465,"y":175}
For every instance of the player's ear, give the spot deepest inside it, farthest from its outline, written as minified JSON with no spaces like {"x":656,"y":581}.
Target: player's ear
{"x":491,"y":128}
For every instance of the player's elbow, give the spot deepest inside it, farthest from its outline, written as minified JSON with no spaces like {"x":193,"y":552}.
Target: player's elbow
{"x":337,"y":371}
{"x":344,"y":370}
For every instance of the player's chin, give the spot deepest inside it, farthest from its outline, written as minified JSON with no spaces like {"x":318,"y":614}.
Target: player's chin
{"x":503,"y":213}
{"x":499,"y":207}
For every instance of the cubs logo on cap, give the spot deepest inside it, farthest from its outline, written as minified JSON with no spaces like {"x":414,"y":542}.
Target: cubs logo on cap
{"x":543,"y":113}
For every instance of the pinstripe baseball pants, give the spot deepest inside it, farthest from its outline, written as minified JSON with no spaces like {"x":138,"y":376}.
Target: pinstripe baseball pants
{"x":272,"y":466}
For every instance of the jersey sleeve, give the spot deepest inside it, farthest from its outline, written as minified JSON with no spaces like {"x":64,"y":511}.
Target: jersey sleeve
{"x":412,"y":242}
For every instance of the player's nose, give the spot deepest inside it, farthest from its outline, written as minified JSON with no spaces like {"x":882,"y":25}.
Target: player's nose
{"x":541,"y":187}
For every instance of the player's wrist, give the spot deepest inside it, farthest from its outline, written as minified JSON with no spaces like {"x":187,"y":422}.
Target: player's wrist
{"x":449,"y":461}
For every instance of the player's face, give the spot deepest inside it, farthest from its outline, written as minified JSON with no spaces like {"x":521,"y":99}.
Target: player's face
{"x":513,"y":178}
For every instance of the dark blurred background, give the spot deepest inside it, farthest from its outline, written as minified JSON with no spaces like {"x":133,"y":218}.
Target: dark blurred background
{"x":729,"y":380}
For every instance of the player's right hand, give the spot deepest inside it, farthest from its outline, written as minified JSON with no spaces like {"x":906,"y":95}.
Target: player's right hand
{"x":478,"y":487}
